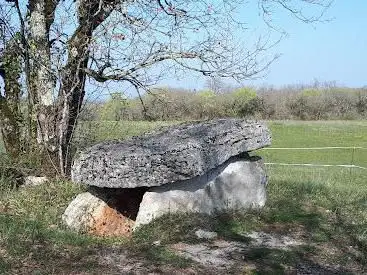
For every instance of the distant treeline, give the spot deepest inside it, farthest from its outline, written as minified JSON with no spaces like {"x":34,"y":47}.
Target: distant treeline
{"x":293,"y":102}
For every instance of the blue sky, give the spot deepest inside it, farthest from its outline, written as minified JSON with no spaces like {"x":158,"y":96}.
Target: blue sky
{"x":335,"y":50}
{"x":329,"y":51}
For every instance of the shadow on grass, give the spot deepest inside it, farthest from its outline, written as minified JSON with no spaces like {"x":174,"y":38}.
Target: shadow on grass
{"x":162,"y":256}
{"x":314,"y":214}
{"x":27,"y":246}
{"x":330,"y":224}
{"x":170,"y":229}
{"x":293,"y":261}
{"x":321,"y":217}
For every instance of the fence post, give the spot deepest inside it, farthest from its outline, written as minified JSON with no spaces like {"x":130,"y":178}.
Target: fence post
{"x":352,"y":163}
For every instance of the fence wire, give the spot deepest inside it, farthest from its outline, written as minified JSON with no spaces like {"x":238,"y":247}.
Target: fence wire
{"x":337,"y":166}
{"x":352,"y":164}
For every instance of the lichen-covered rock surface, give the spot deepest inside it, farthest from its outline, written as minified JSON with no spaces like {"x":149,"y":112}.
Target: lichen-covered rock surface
{"x":177,"y":153}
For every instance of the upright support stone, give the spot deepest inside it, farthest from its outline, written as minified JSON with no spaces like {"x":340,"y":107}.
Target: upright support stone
{"x":235,"y":185}
{"x":89,"y":214}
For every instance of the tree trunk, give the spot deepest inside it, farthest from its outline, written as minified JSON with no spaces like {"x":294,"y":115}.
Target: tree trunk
{"x":10,"y":116}
{"x":9,"y":129}
{"x":70,"y":99}
{"x":56,"y":119}
{"x":71,"y":93}
{"x":42,"y":82}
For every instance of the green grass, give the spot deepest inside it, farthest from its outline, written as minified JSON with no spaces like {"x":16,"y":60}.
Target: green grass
{"x":325,"y":206}
{"x":327,"y":203}
{"x":32,"y":236}
{"x":43,"y":203}
{"x":318,"y":134}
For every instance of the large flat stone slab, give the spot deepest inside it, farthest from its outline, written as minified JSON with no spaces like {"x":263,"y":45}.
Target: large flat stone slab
{"x":235,"y":185}
{"x":177,"y":153}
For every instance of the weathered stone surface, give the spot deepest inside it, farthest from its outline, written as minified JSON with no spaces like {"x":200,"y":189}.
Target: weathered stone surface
{"x":34,"y":181}
{"x":178,"y":153}
{"x":207,"y":235}
{"x":236,"y":184}
{"x":89,"y":214}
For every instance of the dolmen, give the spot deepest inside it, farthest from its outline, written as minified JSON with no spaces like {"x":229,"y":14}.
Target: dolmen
{"x":203,"y":167}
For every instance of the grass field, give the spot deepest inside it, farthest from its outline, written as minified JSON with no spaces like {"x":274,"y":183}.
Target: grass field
{"x":324,"y":206}
{"x":319,"y":134}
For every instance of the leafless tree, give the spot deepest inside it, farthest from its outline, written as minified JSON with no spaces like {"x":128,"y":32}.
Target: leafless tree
{"x":64,"y":43}
{"x":217,"y":85}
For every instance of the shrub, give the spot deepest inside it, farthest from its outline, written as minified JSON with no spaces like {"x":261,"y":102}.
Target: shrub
{"x":292,"y":102}
{"x":115,"y":108}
